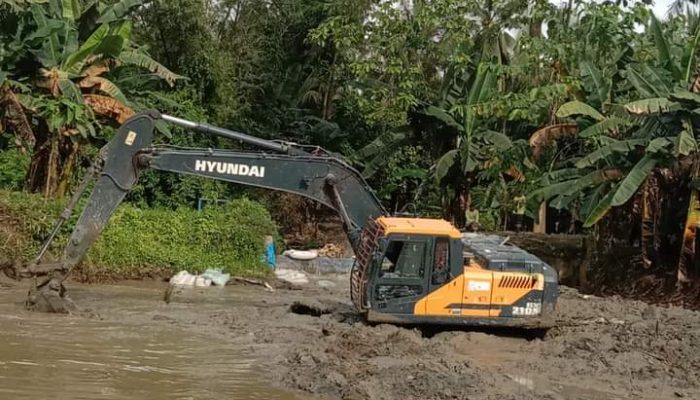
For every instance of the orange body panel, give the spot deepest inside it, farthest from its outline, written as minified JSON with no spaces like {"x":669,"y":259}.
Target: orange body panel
{"x":509,"y":287}
{"x":446,"y":300}
{"x":478,"y":285}
{"x":478,"y":292}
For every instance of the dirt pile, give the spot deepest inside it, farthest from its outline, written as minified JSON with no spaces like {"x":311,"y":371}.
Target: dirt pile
{"x":603,"y":348}
{"x":360,"y":362}
{"x":657,"y":348}
{"x":331,"y":250}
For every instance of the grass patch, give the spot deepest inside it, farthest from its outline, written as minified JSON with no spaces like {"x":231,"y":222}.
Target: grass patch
{"x":142,"y":242}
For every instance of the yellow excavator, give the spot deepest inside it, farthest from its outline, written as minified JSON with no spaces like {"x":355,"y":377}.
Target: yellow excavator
{"x":406,"y":270}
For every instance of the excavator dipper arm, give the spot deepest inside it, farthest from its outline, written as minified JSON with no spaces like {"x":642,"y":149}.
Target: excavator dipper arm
{"x":284,"y":167}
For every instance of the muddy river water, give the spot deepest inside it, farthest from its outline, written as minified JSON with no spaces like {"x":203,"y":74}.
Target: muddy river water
{"x":118,"y":357}
{"x":245,"y":342}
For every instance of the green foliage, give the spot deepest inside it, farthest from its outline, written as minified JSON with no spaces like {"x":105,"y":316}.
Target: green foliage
{"x":66,"y":54}
{"x":595,"y":83}
{"x":228,"y":237}
{"x":13,"y":169}
{"x":26,"y":221}
{"x":138,"y":241}
{"x":160,"y":189}
{"x":605,"y":127}
{"x":633,"y":180}
{"x":432,"y":101}
{"x":402,"y":175}
{"x":578,"y":108}
{"x":650,"y":106}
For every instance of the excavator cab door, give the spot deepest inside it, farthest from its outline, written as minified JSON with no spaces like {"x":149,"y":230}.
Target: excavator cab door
{"x":445,"y":284}
{"x":400,"y":274}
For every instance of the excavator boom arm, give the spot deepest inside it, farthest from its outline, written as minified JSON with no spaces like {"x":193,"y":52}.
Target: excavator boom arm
{"x":284,"y":167}
{"x":323,"y":179}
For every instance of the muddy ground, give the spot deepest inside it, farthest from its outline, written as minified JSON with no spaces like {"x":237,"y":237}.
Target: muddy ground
{"x":311,"y":341}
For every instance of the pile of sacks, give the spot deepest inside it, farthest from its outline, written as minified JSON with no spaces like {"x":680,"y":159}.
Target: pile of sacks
{"x":292,"y":276}
{"x":208,"y":278}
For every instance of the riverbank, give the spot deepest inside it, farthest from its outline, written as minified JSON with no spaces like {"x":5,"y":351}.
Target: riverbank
{"x":142,"y":242}
{"x":310,"y":340}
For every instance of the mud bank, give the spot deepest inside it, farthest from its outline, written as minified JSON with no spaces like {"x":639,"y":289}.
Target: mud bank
{"x":311,"y":341}
{"x":603,"y":349}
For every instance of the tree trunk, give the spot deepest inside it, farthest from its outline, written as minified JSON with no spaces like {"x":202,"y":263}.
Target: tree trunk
{"x":460,"y":205}
{"x":686,"y":263}
{"x":53,"y":163}
{"x":650,"y":235}
{"x":51,"y":167}
{"x":13,"y":116}
{"x":71,"y":151}
{"x":541,"y":225}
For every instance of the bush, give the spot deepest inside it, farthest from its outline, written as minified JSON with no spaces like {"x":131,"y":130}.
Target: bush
{"x":25,"y":220}
{"x":13,"y":168}
{"x":139,"y":242}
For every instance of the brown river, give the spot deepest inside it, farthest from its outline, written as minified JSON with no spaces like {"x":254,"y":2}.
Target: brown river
{"x":245,"y":342}
{"x":118,"y":355}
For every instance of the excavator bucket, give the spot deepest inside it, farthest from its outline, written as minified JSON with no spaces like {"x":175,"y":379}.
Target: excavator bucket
{"x":50,"y":300}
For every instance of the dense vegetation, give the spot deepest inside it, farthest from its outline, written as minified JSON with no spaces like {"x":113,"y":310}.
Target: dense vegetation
{"x":145,"y":241}
{"x":586,"y":108}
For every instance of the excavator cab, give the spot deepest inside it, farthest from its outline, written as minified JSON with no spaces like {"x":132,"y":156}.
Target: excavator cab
{"x":418,"y":270}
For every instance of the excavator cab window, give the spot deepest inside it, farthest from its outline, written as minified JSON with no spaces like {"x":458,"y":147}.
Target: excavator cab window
{"x":403,"y":259}
{"x":401,"y":275}
{"x":441,"y":263}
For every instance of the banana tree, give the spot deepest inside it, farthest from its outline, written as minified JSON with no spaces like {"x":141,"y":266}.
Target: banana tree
{"x":451,"y":130}
{"x":12,"y":115}
{"x":634,"y":123}
{"x":624,"y":152}
{"x":68,"y":50}
{"x":684,"y":71}
{"x":475,"y":148}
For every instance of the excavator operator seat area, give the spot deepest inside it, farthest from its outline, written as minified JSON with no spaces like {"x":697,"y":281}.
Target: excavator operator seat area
{"x":403,"y":259}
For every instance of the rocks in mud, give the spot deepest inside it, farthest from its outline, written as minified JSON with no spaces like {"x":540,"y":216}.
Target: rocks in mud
{"x":6,"y":282}
{"x":336,"y":379}
{"x":160,"y":317}
{"x":649,"y":313}
{"x":291,"y":276}
{"x":326,"y":284}
{"x":331,"y":310}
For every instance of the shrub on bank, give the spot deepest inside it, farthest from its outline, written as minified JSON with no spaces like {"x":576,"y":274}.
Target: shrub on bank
{"x":139,"y":242}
